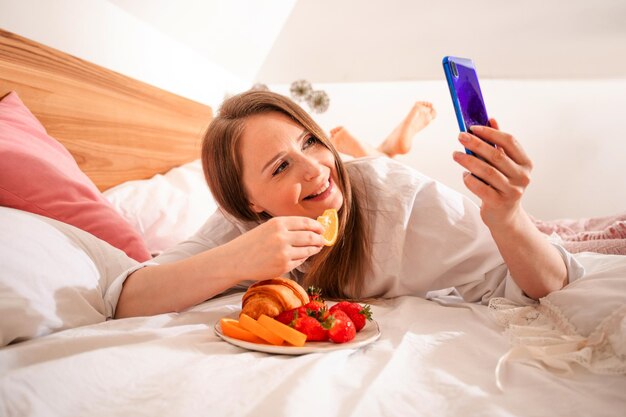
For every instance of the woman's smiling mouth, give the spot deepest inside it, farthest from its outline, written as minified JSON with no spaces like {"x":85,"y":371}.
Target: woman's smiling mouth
{"x":322,"y":193}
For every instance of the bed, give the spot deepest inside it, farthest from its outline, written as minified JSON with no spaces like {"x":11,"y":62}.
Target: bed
{"x":134,"y":160}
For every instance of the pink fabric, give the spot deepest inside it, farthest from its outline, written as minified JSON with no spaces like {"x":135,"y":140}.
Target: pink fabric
{"x":598,"y":234}
{"x":37,"y":174}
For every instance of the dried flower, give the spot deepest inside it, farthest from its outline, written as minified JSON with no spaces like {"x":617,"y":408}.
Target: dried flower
{"x":259,"y":87}
{"x":300,"y":90}
{"x":318,"y":101}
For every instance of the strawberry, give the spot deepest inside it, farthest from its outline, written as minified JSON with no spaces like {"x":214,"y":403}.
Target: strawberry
{"x":310,"y":327}
{"x":287,"y":316}
{"x":340,"y":328}
{"x":357,"y":313}
{"x":315,"y":308}
{"x":314,"y":293}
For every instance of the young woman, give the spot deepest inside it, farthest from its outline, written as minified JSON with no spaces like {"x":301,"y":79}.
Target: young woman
{"x":272,"y":171}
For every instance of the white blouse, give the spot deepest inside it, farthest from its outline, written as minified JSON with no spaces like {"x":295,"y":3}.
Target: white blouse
{"x":425,"y":237}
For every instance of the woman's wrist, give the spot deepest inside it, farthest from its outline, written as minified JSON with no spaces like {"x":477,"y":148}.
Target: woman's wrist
{"x":536,"y":266}
{"x":217,"y":269}
{"x":514,"y":222}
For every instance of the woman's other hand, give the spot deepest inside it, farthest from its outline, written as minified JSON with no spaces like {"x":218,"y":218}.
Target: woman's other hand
{"x":274,"y":247}
{"x":505,"y":173}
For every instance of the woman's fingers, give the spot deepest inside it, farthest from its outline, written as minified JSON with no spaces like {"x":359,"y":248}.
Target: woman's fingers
{"x":493,"y":177}
{"x":302,"y":253}
{"x":296,"y":232}
{"x":496,"y":160}
{"x":494,"y":164}
{"x":501,"y":172}
{"x":306,"y":238}
{"x":297,"y":223}
{"x":511,"y":146}
{"x":485,"y":192}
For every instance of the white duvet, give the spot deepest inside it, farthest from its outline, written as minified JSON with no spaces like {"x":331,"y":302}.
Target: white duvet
{"x":430,"y":360}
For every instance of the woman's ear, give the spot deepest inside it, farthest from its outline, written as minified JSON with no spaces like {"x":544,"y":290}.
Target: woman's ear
{"x":256,"y":208}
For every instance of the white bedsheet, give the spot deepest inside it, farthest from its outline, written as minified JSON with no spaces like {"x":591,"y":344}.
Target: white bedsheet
{"x":430,"y":360}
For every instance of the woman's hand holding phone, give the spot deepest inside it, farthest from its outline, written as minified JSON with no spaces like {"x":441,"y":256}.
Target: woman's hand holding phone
{"x":504,"y":170}
{"x":498,"y":173}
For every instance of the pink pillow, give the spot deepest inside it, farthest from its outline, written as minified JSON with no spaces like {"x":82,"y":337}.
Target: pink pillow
{"x":38,"y":175}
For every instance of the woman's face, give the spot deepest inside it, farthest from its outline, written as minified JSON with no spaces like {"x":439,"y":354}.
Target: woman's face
{"x":287,"y":171}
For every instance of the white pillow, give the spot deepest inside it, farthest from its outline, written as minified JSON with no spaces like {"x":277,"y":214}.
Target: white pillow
{"x":584,"y":323}
{"x":53,"y":276}
{"x":165,"y":209}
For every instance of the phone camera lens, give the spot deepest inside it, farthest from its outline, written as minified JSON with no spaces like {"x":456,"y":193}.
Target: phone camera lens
{"x":455,"y":72}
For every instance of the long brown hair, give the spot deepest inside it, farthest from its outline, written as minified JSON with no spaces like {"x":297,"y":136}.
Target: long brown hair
{"x":338,"y":270}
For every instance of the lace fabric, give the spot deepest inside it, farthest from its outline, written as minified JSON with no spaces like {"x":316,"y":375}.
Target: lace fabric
{"x":541,"y":335}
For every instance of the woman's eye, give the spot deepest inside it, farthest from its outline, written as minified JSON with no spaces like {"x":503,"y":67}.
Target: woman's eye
{"x":280,"y":168}
{"x":312,"y":140}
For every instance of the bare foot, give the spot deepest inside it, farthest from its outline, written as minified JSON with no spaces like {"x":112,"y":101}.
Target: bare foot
{"x":346,"y":143}
{"x":400,"y":140}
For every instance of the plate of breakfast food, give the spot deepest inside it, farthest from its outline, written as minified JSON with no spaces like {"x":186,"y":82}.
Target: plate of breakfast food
{"x":279,"y":316}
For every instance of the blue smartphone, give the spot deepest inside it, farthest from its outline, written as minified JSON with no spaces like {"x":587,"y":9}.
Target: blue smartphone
{"x":467,"y":98}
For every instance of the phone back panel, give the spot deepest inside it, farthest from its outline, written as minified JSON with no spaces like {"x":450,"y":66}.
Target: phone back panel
{"x":465,"y":91}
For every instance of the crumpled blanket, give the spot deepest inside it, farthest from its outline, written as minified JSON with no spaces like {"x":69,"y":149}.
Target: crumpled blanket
{"x":598,"y":234}
{"x":581,"y":325}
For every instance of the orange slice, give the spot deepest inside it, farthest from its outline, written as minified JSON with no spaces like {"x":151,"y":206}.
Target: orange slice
{"x":231,"y":328}
{"x":255,"y":328}
{"x":289,"y":334}
{"x":330,"y":221}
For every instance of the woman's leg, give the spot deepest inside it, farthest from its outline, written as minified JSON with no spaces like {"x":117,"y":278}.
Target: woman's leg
{"x":347,"y":144}
{"x":400,"y":139}
{"x":398,"y":142}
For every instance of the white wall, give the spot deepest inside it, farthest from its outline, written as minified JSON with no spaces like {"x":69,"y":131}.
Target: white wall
{"x":236,"y":33}
{"x":573,"y":131}
{"x":404,"y":40}
{"x":105,"y":34}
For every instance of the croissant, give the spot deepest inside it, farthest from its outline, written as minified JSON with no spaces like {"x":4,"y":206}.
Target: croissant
{"x":273,"y":296}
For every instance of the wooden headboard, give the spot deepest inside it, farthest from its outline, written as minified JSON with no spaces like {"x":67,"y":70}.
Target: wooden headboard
{"x":117,"y":128}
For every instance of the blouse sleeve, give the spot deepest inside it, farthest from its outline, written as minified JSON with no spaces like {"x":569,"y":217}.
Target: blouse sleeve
{"x":509,"y":289}
{"x":469,"y":259}
{"x":217,"y":231}
{"x":428,"y":237}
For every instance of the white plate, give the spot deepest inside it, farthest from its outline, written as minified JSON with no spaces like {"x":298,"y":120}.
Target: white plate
{"x":367,"y":335}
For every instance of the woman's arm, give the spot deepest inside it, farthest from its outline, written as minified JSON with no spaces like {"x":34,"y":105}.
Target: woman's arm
{"x":534,"y":263}
{"x":269,"y":250}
